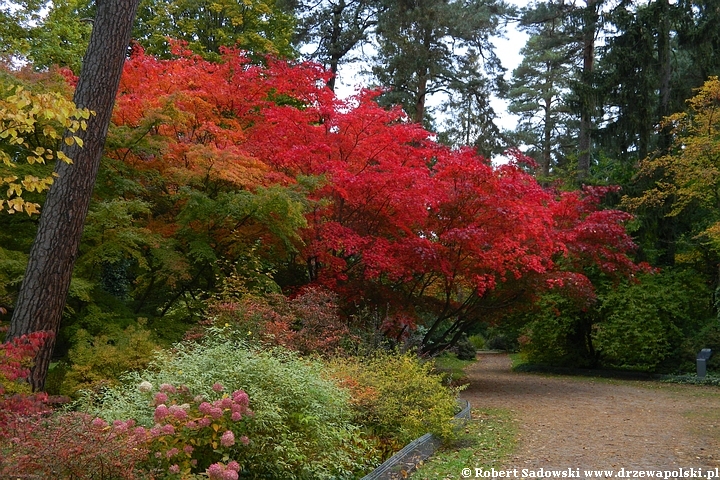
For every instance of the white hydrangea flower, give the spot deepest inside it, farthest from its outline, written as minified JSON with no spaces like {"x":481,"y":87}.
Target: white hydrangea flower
{"x":145,"y":386}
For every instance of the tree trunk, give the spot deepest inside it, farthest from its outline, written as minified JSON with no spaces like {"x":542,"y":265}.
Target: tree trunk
{"x":664,"y":57}
{"x":45,"y":286}
{"x":586,"y":99}
{"x":334,"y":47}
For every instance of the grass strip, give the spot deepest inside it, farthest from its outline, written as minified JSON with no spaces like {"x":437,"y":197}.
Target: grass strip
{"x":484,"y":442}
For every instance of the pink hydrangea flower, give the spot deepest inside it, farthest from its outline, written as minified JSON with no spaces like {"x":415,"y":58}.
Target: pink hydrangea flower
{"x":99,"y":423}
{"x":236,"y":416}
{"x":160,"y":397}
{"x":167,"y":388}
{"x":174,"y":468}
{"x":234,"y":466}
{"x":217,"y":387}
{"x":168,"y":430}
{"x":215,"y":471}
{"x":161,"y":411}
{"x":188,"y":449}
{"x":204,"y":422}
{"x":230,"y":475}
{"x":205,"y":408}
{"x":172,"y":452}
{"x":241,"y":397}
{"x":244,"y":440}
{"x":178,"y":412}
{"x":227,"y":439}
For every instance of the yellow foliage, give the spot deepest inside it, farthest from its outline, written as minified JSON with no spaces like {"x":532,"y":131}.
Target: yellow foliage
{"x":690,"y":172}
{"x":27,"y":118}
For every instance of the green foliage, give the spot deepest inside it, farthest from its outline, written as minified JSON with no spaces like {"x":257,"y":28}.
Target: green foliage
{"x":464,"y":349}
{"x":302,"y":422}
{"x":258,"y":26}
{"x":651,"y":323}
{"x":646,"y":323}
{"x":98,"y":361}
{"x":557,"y":333}
{"x":62,"y":36}
{"x":477,"y":341}
{"x":396,"y":397}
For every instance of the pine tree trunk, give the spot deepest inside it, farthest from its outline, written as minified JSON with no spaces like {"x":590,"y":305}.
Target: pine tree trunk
{"x":587,"y":99}
{"x":45,"y":286}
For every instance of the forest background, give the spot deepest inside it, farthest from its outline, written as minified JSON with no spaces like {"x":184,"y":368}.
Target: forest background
{"x":235,"y":187}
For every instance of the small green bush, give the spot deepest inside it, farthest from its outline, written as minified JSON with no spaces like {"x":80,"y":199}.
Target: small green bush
{"x":465,"y":350}
{"x":302,"y":425}
{"x":100,"y":360}
{"x":396,"y":397}
{"x":478,"y":341}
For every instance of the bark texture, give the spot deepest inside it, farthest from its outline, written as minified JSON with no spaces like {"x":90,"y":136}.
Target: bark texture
{"x":45,"y":286}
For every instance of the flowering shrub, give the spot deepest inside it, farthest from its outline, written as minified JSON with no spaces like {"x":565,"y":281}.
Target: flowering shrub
{"x":300,"y":428}
{"x":73,"y":446}
{"x":192,"y":435}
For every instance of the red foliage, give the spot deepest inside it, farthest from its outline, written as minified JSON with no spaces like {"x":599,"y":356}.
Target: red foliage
{"x":309,"y":322}
{"x":397,"y":218}
{"x":16,"y":401}
{"x":72,"y":445}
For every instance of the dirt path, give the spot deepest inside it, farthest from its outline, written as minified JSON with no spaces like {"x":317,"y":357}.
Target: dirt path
{"x":572,"y":422}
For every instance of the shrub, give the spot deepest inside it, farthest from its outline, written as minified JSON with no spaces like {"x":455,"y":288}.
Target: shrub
{"x":72,"y":446}
{"x":478,"y":341}
{"x":99,"y":360}
{"x":558,"y":332}
{"x":396,"y":397}
{"x":16,"y":401}
{"x":308,"y":323}
{"x":302,"y":422}
{"x":193,"y":434}
{"x":465,"y":350}
{"x":646,"y":323}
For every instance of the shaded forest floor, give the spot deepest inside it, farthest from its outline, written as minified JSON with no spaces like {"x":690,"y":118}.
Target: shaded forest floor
{"x":588,"y":423}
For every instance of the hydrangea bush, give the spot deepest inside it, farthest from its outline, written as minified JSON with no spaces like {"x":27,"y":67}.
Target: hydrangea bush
{"x":300,"y":425}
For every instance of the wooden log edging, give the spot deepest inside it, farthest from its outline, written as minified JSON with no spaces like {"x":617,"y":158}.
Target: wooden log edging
{"x":407,"y":459}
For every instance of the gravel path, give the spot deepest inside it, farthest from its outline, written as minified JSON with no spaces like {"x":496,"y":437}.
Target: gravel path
{"x":574,"y":422}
